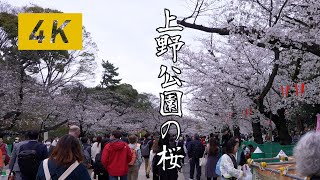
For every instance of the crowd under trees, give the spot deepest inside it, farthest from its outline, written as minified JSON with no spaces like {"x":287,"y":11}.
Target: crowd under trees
{"x":45,"y":90}
{"x":252,"y":50}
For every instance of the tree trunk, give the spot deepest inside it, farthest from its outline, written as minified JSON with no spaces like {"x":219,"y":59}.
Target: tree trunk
{"x":257,"y":135}
{"x":299,"y":123}
{"x":281,"y":125}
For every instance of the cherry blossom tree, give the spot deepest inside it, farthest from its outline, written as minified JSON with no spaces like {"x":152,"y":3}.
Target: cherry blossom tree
{"x":254,"y":48}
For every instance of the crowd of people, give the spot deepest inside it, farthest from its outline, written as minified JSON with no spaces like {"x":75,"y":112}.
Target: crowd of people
{"x":119,"y":156}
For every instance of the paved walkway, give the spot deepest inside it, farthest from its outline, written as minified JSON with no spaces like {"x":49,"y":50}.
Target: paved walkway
{"x":142,"y":174}
{"x":183,"y":175}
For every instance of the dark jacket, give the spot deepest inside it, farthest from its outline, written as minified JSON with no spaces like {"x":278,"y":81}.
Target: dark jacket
{"x":125,"y":139}
{"x":41,"y":152}
{"x":181,"y":151}
{"x":41,"y":149}
{"x":104,"y":142}
{"x":167,"y":174}
{"x":80,"y":173}
{"x":196,"y":149}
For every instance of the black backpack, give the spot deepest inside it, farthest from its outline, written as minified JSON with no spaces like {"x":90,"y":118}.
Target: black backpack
{"x":98,"y":168}
{"x":28,"y":160}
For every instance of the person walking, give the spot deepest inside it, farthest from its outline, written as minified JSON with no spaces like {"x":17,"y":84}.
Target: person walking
{"x":27,"y":156}
{"x":195,"y":152}
{"x":49,"y":146}
{"x":171,"y":171}
{"x":136,"y":161}
{"x":65,"y":161}
{"x":16,"y":141}
{"x":96,"y":148}
{"x":86,"y":152}
{"x":229,"y":167}
{"x":74,"y":131}
{"x":182,"y":152}
{"x":98,"y":167}
{"x":4,"y":158}
{"x":212,"y":152}
{"x":153,"y":165}
{"x":115,"y":157}
{"x":145,"y":151}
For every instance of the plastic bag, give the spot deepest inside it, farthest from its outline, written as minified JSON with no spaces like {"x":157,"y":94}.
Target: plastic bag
{"x":203,"y":161}
{"x":247,"y":171}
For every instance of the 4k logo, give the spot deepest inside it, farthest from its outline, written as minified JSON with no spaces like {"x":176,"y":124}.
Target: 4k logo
{"x":49,"y":31}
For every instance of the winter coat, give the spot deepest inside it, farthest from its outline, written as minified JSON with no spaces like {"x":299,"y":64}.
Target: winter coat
{"x":168,"y":174}
{"x":195,"y":149}
{"x":95,"y":149}
{"x":227,"y":168}
{"x":115,"y":157}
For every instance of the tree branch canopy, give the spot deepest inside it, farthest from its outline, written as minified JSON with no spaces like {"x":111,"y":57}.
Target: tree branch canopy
{"x":286,"y":43}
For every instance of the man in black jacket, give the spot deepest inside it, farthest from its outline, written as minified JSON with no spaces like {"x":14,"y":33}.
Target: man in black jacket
{"x":195,"y":152}
{"x":28,"y":161}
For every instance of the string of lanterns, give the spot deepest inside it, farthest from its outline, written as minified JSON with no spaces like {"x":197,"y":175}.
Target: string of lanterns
{"x":285,"y":90}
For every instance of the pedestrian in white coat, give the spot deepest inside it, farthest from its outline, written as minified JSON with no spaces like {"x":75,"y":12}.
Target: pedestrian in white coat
{"x":229,"y":166}
{"x":96,"y":148}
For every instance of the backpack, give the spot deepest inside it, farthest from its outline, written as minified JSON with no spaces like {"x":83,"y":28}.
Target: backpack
{"x":134,"y":155}
{"x":98,"y":168}
{"x":28,"y":160}
{"x":145,"y":151}
{"x":218,"y":172}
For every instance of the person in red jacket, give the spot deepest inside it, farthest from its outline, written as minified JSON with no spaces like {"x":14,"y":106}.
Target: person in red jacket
{"x":115,"y":157}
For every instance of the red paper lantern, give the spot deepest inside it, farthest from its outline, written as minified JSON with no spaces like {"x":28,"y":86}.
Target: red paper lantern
{"x":287,"y":90}
{"x":297,"y":89}
{"x":302,"y":88}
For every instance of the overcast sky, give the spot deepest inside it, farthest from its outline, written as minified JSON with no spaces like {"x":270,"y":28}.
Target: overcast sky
{"x":124,"y":31}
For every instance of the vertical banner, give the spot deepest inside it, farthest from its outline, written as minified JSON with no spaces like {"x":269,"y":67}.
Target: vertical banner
{"x":170,"y":101}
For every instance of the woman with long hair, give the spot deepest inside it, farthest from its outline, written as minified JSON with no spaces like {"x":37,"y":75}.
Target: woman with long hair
{"x":96,"y":148}
{"x":154,"y":150}
{"x":212,"y":158}
{"x":64,"y":162}
{"x":229,"y":167}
